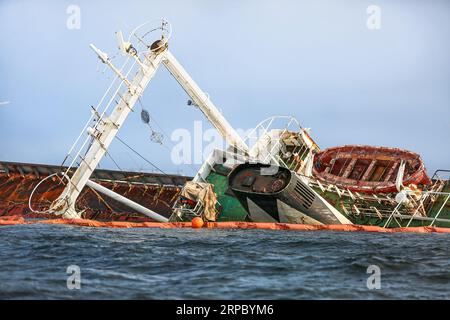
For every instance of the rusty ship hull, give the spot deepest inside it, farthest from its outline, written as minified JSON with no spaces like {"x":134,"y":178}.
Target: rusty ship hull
{"x":154,"y":191}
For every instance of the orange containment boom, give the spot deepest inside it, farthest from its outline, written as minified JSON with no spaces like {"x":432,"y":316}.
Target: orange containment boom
{"x":15,"y":220}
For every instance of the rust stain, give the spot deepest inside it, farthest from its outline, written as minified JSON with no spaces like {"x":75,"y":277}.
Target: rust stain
{"x":15,"y":190}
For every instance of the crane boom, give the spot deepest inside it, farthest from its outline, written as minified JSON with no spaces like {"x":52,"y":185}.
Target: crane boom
{"x":203,"y":102}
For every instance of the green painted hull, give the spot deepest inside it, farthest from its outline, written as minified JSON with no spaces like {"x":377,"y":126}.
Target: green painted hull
{"x":232,"y":210}
{"x":361,"y":219}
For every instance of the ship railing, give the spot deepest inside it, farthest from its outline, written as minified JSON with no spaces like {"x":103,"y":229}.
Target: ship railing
{"x":269,"y":149}
{"x":275,"y":147}
{"x":266,"y":126}
{"x":440,"y":175}
{"x":341,"y":192}
{"x":392,"y":216}
{"x":444,"y":196}
{"x":430,"y":197}
{"x":98,"y":114}
{"x":411,"y":209}
{"x":296,"y":158}
{"x":400,"y":216}
{"x":401,"y":211}
{"x":279,"y":155}
{"x":182,"y":211}
{"x":444,"y":204}
{"x":384,"y":206}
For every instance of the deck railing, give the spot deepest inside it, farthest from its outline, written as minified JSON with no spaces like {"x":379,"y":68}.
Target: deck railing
{"x":429,"y":205}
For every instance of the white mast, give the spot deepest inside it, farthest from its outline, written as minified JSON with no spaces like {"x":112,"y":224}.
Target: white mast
{"x":105,"y":131}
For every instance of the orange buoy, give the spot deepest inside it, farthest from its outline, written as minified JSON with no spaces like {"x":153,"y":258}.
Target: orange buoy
{"x":197,"y":222}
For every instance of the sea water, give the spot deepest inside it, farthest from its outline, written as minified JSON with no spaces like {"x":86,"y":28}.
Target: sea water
{"x":45,"y":261}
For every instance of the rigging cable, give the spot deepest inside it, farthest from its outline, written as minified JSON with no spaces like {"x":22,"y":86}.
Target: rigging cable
{"x":109,"y":155}
{"x":145,"y":117}
{"x":139,"y":155}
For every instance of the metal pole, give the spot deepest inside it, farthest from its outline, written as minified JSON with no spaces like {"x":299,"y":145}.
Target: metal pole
{"x":107,"y":129}
{"x":439,"y":212}
{"x":126,"y":201}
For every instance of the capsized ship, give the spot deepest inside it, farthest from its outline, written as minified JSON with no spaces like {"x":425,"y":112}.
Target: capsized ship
{"x":364,"y":185}
{"x":367,"y":185}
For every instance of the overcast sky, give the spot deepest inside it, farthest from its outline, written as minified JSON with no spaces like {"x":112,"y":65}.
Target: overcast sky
{"x":316,"y":60}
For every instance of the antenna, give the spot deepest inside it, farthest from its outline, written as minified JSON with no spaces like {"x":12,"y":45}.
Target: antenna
{"x":124,"y":47}
{"x":101,"y":55}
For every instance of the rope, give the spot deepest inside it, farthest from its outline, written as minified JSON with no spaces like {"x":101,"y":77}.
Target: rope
{"x":139,"y":155}
{"x":162,"y":143}
{"x":49,"y":210}
{"x":110,"y":156}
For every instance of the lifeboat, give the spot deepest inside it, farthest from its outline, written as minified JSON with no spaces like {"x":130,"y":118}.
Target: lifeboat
{"x":369,"y":169}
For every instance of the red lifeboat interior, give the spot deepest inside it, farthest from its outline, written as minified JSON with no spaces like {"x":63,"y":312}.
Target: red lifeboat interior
{"x":368,"y":169}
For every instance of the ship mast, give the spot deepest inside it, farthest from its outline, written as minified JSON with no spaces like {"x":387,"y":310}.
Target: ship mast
{"x":107,"y":127}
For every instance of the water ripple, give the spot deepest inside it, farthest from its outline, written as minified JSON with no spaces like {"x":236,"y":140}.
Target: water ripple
{"x":219,"y":264}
